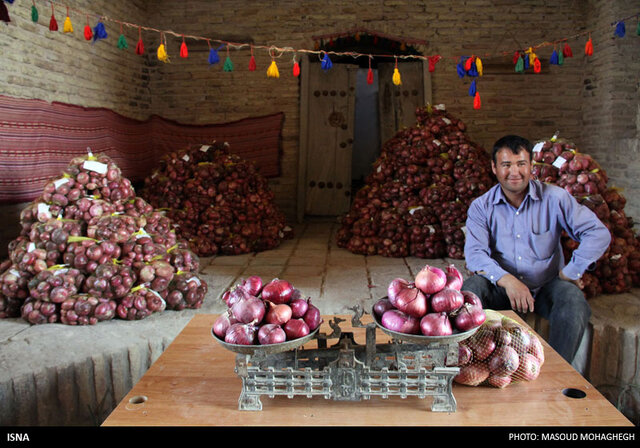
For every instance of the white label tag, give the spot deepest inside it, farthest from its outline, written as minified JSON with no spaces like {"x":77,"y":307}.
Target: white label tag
{"x":538,"y":147}
{"x":185,"y":157}
{"x":205,"y":148}
{"x":379,"y":168}
{"x":31,"y":247}
{"x":446,"y":120}
{"x":437,"y":142}
{"x":195,"y":279}
{"x":439,"y":107}
{"x":559,"y":162}
{"x":464,"y":230}
{"x":412,"y":210}
{"x":43,"y":208}
{"x":153,"y":176}
{"x":15,"y":272}
{"x":60,"y":182}
{"x":92,"y":165}
{"x":432,"y":229}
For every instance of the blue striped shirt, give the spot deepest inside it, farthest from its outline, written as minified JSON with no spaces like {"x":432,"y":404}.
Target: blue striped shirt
{"x":526,"y":241}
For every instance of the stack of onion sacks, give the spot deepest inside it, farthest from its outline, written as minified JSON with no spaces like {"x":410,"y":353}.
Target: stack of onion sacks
{"x":432,"y":305}
{"x":500,"y":353}
{"x":265,"y":314}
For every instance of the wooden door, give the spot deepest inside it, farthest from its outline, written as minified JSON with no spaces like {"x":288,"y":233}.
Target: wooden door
{"x":397,"y":104}
{"x":331,"y":102}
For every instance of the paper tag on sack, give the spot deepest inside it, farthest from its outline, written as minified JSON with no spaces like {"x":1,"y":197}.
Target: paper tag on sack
{"x":538,"y":147}
{"x":412,"y":210}
{"x":31,"y":247}
{"x":15,"y":272}
{"x":205,"y":148}
{"x":92,"y":165}
{"x":446,"y":120}
{"x":44,"y":209}
{"x":432,"y":229}
{"x":60,"y":182}
{"x":437,"y":142}
{"x":559,"y":162}
{"x":195,"y":279}
{"x":464,"y":230}
{"x":185,"y":157}
{"x":439,"y":107}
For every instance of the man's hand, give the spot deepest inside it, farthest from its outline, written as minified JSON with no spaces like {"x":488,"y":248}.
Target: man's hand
{"x":518,"y":293}
{"x":578,"y":282}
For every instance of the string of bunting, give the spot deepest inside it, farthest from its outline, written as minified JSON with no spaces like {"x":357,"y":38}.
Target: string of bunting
{"x":469,"y":66}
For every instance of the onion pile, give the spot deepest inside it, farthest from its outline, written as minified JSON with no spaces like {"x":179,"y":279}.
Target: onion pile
{"x":500,"y":353}
{"x":264,"y":314}
{"x":90,"y":250}
{"x":219,"y":202}
{"x":432,"y":305}
{"x":414,"y":201}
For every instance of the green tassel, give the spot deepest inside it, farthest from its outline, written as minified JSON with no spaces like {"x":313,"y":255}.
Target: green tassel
{"x":122,"y":42}
{"x":560,"y":58}
{"x":228,"y":65}
{"x":519,"y":66}
{"x":638,"y":29}
{"x":34,"y":14}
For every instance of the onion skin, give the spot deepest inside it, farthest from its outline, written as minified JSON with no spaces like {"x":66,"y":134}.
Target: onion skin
{"x":412,"y":302}
{"x":381,"y":306}
{"x":249,"y":310}
{"x":296,"y":328}
{"x":222,"y":324}
{"x":253,"y":285}
{"x":277,"y":291}
{"x":436,"y":324}
{"x":472,"y":298}
{"x":278,"y":314}
{"x":271,"y":334}
{"x":396,"y":320}
{"x":299,"y":307}
{"x":241,"y":334}
{"x":394,"y":288}
{"x":312,"y":317}
{"x":446,"y":301}
{"x":469,"y":317}
{"x":430,"y":279}
{"x":454,"y":278}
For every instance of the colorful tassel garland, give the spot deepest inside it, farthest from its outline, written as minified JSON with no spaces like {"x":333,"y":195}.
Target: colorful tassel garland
{"x":433,"y":60}
{"x":34,"y":13}
{"x":588,"y":48}
{"x":473,"y":71}
{"x":472,"y":88}
{"x":99,"y":32}
{"x":537,"y":66}
{"x":67,"y":27}
{"x":4,"y":13}
{"x":184,"y":51}
{"x":326,"y":63}
{"x":272,"y":71}
{"x":122,"y":42}
{"x":520,"y":65}
{"x":525,"y":61}
{"x":476,"y":101}
{"x":479,"y":66}
{"x":567,"y":52}
{"x":620,"y":29}
{"x":553,"y":60}
{"x":140,"y":44}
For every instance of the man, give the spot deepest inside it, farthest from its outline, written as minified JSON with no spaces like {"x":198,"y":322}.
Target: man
{"x":513,"y":245}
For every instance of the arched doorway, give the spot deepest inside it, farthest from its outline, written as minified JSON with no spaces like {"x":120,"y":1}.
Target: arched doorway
{"x":344,"y":120}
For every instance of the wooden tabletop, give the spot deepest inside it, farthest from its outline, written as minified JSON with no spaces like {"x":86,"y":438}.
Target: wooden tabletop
{"x":193,"y":383}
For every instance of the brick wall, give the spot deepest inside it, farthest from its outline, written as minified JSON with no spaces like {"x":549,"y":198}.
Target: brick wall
{"x":583,"y":99}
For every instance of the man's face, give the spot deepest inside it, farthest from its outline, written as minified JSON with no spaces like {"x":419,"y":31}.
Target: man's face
{"x":512,"y":170}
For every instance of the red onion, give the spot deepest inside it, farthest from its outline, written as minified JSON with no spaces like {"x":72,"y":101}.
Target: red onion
{"x":472,"y":375}
{"x":436,"y":324}
{"x":252,"y":284}
{"x":471,"y":298}
{"x":277,"y":291}
{"x":312,"y":317}
{"x":296,"y":328}
{"x":241,"y":334}
{"x":396,"y":320}
{"x":271,"y":334}
{"x":381,"y":306}
{"x":396,"y":285}
{"x":469,"y":317}
{"x":430,"y":279}
{"x":411,"y":301}
{"x":464,"y":354}
{"x":278,"y":314}
{"x":235,"y":294}
{"x":249,"y":310}
{"x":504,"y":361}
{"x":454,"y":278}
{"x":299,"y":307}
{"x":222,"y":324}
{"x":446,"y":301}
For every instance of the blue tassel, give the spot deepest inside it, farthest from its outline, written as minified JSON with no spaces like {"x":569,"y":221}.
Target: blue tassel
{"x":620,"y":29}
{"x":9,"y":1}
{"x":472,"y":88}
{"x":460,"y":69}
{"x":526,"y":61}
{"x":99,"y":32}
{"x":473,"y":71}
{"x":553,"y":60}
{"x":326,"y":63}
{"x":214,"y":58}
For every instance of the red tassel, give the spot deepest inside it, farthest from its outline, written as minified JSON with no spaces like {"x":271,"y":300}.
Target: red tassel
{"x":476,"y":101}
{"x":88,"y":33}
{"x":588,"y":48}
{"x":139,"y":45}
{"x":566,"y":51}
{"x":468,"y":62}
{"x":296,"y":69}
{"x":53,"y":24}
{"x":433,"y":60}
{"x":516,"y":56}
{"x":252,"y":62}
{"x":184,"y":52}
{"x":370,"y":76}
{"x":537,"y":66}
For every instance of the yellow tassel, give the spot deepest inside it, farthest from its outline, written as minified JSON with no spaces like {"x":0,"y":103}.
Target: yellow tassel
{"x":396,"y":77}
{"x":532,"y":55}
{"x":162,"y":54}
{"x":67,"y":27}
{"x":479,"y":66}
{"x":272,"y":71}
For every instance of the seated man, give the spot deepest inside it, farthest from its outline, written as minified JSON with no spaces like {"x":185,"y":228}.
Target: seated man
{"x":513,"y":246}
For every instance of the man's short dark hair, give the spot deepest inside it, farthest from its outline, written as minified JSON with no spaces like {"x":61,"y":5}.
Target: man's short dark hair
{"x":515,"y":143}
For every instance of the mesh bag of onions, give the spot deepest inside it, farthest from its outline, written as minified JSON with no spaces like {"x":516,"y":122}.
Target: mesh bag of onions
{"x":500,"y":353}
{"x":433,"y":304}
{"x":265,"y":314}
{"x":414,"y":202}
{"x":89,"y":250}
{"x":220,"y":203}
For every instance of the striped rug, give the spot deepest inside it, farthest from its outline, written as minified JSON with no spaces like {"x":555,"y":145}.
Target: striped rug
{"x":38,"y":139}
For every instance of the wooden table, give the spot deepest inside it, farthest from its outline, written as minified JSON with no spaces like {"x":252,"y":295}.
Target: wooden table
{"x":193,"y":383}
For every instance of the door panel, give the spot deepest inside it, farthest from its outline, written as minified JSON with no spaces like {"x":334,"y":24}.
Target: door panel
{"x":330,"y":139}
